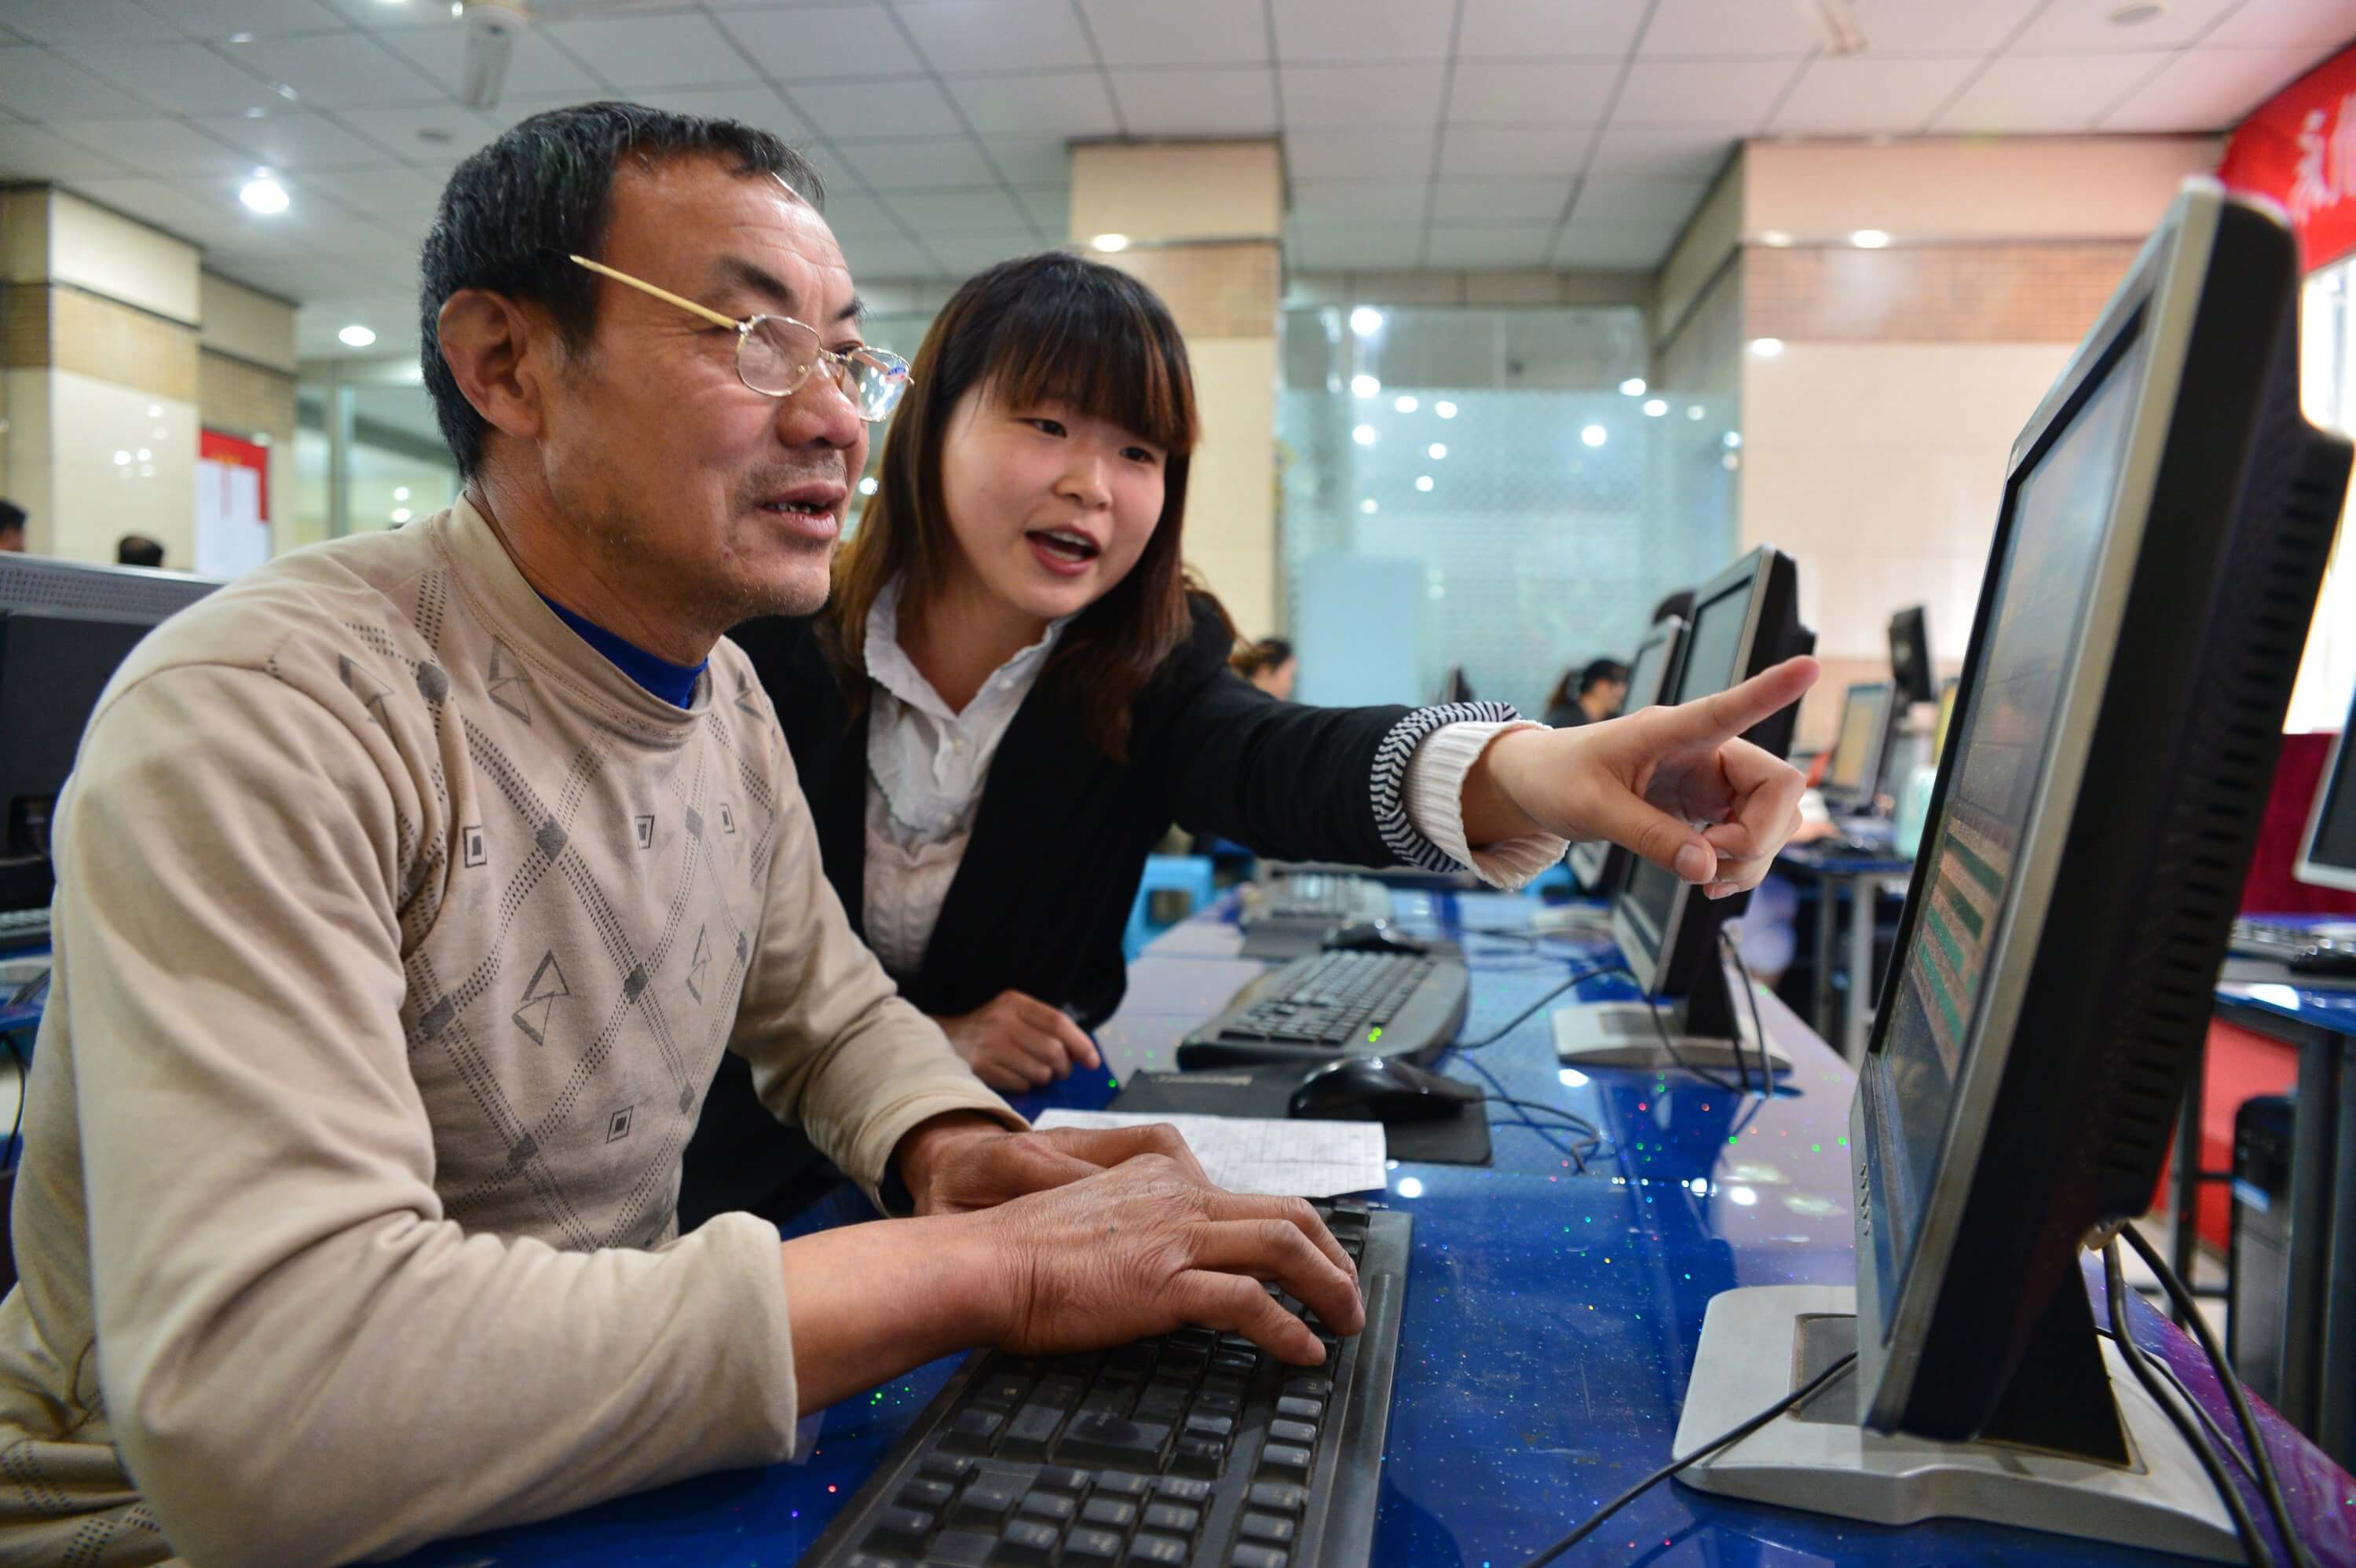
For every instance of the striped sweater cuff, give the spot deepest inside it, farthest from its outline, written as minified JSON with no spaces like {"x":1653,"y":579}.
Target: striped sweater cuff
{"x":1407,"y":834}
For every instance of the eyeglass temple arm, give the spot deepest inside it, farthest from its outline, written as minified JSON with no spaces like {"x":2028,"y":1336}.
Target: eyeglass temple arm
{"x":706,"y":312}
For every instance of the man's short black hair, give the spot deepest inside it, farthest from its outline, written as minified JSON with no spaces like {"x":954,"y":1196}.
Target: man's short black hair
{"x":540,"y":193}
{"x":12,"y":517}
{"x":138,"y":550}
{"x":1598,"y":672}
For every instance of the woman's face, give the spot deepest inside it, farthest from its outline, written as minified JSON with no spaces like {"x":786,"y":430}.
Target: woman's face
{"x":1051,"y":507}
{"x":1276,"y":679}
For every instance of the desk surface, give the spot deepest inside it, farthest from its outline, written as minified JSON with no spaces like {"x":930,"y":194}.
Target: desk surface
{"x":1550,"y":1320}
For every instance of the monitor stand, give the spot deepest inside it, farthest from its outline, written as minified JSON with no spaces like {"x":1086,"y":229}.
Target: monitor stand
{"x":1819,"y":1457}
{"x":1706,"y":1028}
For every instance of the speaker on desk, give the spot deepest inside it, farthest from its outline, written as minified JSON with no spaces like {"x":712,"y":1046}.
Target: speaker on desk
{"x":2258,"y":1241}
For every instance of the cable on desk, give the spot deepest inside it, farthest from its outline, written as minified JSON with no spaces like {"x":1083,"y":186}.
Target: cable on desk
{"x":1494,"y":1036}
{"x":2261,"y":1466}
{"x":1498,"y":1084}
{"x":1732,"y":948}
{"x":2253,"y":1550}
{"x":1669,"y":1044}
{"x":1590,"y":1142}
{"x":1788,"y":1401}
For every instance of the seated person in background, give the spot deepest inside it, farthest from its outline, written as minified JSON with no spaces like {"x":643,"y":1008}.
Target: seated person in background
{"x":138,"y":550}
{"x":411,"y":889}
{"x":12,"y":528}
{"x":1603,"y":688}
{"x":1268,"y":665}
{"x":1015,"y":691}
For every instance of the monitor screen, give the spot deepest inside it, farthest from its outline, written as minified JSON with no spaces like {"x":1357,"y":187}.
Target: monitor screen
{"x":1947,"y":715}
{"x":1863,"y":718}
{"x":1651,"y":666}
{"x":1713,"y":649}
{"x":2060,"y":509}
{"x":2329,"y":858}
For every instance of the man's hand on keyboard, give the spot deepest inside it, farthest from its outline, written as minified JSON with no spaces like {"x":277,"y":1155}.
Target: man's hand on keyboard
{"x":1147,"y":1247}
{"x":962,"y":1162}
{"x":1643,"y":780}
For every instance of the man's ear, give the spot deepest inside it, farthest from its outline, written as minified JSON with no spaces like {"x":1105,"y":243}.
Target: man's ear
{"x":500,"y":362}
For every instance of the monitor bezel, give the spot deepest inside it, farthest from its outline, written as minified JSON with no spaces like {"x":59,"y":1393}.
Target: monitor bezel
{"x":1867,"y":786}
{"x":1915,"y":623}
{"x":2337,"y":785}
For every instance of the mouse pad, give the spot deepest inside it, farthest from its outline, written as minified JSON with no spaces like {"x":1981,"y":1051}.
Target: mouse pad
{"x":1462,"y":1139}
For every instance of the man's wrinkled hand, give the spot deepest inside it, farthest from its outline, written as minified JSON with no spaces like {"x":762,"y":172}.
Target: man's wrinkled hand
{"x":955,"y":1164}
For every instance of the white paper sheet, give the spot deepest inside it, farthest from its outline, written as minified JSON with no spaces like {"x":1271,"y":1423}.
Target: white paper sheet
{"x":1249,"y":1153}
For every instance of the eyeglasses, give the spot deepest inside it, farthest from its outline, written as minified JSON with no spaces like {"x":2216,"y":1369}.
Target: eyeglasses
{"x":775,"y":354}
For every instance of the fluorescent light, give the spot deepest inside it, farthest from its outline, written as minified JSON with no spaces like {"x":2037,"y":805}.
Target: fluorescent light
{"x":1423,"y":482}
{"x":1655,"y":408}
{"x":1109,"y":243}
{"x":1731,"y":462}
{"x":1438,"y":450}
{"x":1365,"y":321}
{"x":401,"y":493}
{"x":1733,"y":440}
{"x":1766,"y":347}
{"x":1364,"y":385}
{"x":356,"y":336}
{"x":1775,"y":237}
{"x":1445,"y":409}
{"x":401,"y":514}
{"x":146,"y":456}
{"x":123,"y":460}
{"x":1406,"y":405}
{"x":263,"y":196}
{"x":1693,"y":411}
{"x":1634,"y":387}
{"x":1368,"y":507}
{"x":1364,"y":435}
{"x":1595,"y":436}
{"x":867,"y":485}
{"x":1869,"y":239}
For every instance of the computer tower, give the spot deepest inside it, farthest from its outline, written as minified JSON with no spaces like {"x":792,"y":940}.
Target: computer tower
{"x":2258,"y":1241}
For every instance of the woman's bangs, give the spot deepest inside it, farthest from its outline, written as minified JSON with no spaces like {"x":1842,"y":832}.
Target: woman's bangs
{"x":1101,"y":354}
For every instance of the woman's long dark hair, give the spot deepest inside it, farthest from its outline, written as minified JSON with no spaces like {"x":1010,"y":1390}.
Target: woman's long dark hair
{"x":1053,"y":326}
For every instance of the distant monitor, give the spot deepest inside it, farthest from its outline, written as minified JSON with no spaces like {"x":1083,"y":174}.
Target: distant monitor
{"x":64,"y":627}
{"x":1454,"y":687}
{"x":1599,"y":864}
{"x":1853,"y":778}
{"x":2327,"y":858}
{"x":2166,"y":516}
{"x":1910,"y":657}
{"x":1946,"y":715}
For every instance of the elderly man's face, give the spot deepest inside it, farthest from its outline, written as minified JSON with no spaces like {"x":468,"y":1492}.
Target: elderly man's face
{"x":720,"y":500}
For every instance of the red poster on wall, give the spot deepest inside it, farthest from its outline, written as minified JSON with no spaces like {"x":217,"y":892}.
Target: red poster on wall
{"x":2300,"y":150}
{"x":232,"y":505}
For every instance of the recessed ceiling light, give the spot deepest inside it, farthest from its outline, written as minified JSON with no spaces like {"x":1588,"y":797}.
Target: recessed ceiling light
{"x":1438,"y":450}
{"x":1766,"y":347}
{"x":2135,"y":13}
{"x":1733,"y":440}
{"x":1869,"y":239}
{"x":1445,"y":409}
{"x":1655,"y":408}
{"x":1406,"y":404}
{"x":1368,"y":507}
{"x":401,"y":492}
{"x":238,"y":38}
{"x":1423,"y":482}
{"x":433,"y":136}
{"x":263,"y":196}
{"x":1634,"y":387}
{"x":356,"y":336}
{"x":1365,"y":321}
{"x":1364,"y":435}
{"x":401,"y":514}
{"x":284,"y":91}
{"x":1364,"y":385}
{"x":1594,"y":435}
{"x":1693,"y":411}
{"x":1111,"y":242}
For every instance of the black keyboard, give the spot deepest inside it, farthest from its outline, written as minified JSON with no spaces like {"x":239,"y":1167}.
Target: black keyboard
{"x":2326,"y":949}
{"x":1378,"y":1004}
{"x":1194,"y":1450}
{"x":1294,"y":915}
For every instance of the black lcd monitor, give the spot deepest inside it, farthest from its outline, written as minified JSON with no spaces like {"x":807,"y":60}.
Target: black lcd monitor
{"x":1910,"y":657}
{"x":1454,"y":687}
{"x":1599,"y":864}
{"x":2327,"y":855}
{"x":64,"y":627}
{"x":1852,"y":780}
{"x":2166,"y":516}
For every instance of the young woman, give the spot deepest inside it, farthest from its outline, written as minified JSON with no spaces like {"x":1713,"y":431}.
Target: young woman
{"x":1015,"y":691}
{"x":1267,"y":664}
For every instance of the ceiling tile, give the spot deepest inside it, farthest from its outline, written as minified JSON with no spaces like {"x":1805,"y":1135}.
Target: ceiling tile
{"x":963,"y":37}
{"x":302,"y":141}
{"x":1362,"y":30}
{"x":1728,"y":29}
{"x":888,"y":256}
{"x":2212,"y":90}
{"x":1614,"y":247}
{"x":187,"y":76}
{"x":1528,"y":152}
{"x":39,"y":85}
{"x":432,"y":137}
{"x":1461,"y":245}
{"x":1672,"y":154}
{"x":2084,"y":27}
{"x":755,"y":103}
{"x":1613,"y":201}
{"x":906,"y":106}
{"x":536,"y":68}
{"x":1394,"y":95}
{"x":1567,"y":93}
{"x":1200,"y":32}
{"x":1518,"y":29}
{"x":1355,"y":247}
{"x":2030,"y":93}
{"x":985,"y":211}
{"x":1236,"y":100}
{"x":168,"y":204}
{"x":1733,"y":95}
{"x":2257,"y":24}
{"x":1065,"y":104}
{"x":1860,"y":95}
{"x":931,"y":165}
{"x":393,"y":195}
{"x":27,"y":152}
{"x":379,"y":17}
{"x":347,"y":70}
{"x":262,"y":18}
{"x":1500,"y":201}
{"x":1358,"y":155}
{"x":811,"y":45}
{"x":78,"y":22}
{"x":1322,"y":202}
{"x":675,"y":49}
{"x":1050,"y":207}
{"x":1939,"y":27}
{"x":156,"y":146}
{"x":1031,"y":160}
{"x":964,"y":254}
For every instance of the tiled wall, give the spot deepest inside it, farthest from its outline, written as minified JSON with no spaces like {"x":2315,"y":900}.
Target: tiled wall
{"x":2047,"y":292}
{"x":1213,"y":291}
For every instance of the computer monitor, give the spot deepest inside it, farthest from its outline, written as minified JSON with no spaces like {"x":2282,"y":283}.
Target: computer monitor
{"x":1454,"y":687}
{"x":2327,"y":857}
{"x":1746,"y":620}
{"x":1947,"y":715}
{"x":1910,"y":657}
{"x":1853,"y":778}
{"x":1599,"y":864}
{"x":64,"y":627}
{"x":2167,"y":517}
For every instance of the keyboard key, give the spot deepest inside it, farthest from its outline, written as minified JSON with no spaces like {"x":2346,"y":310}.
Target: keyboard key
{"x":945,"y":1467}
{"x":1203,"y":1424}
{"x":1061,"y":1479}
{"x":1284,"y":1461}
{"x":1109,"y":1400}
{"x":1109,"y":1437}
{"x":971,"y":1431}
{"x":1266,"y":1527}
{"x":1053,"y":1507}
{"x":1161,"y":1402}
{"x":1202,"y":1456}
{"x":1297,"y":1408}
{"x":1063,"y":1393}
{"x":1249,"y":1556}
{"x":899,"y":1529}
{"x":928,"y":1495}
{"x":1032,"y":1430}
{"x":1238,"y":1363}
{"x":1175,"y":1518}
{"x":999,"y":1392}
{"x":1278,"y":1497}
{"x":1123,"y":1484}
{"x":1091,"y":1549}
{"x":984,"y":1504}
{"x":1179,"y":1490}
{"x":961,"y":1549}
{"x":1026,"y":1541}
{"x":1307,"y":1385}
{"x":1297,"y":1432}
{"x":1158,"y":1552}
{"x":1217,"y":1401}
{"x":1108,"y":1513}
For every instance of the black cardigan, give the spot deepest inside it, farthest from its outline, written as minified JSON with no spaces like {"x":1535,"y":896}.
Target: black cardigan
{"x":1060,"y":838}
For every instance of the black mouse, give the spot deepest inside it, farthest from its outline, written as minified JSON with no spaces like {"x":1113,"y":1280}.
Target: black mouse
{"x":1373,"y":937}
{"x":1378,"y":1089}
{"x":2325,"y":960}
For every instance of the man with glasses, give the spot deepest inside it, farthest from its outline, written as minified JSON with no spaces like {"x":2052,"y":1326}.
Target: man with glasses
{"x":409,"y":889}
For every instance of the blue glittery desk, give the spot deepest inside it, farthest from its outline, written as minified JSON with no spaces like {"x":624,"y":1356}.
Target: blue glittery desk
{"x":1550,"y":1322}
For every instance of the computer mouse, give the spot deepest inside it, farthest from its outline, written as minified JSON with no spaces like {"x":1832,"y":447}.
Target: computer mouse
{"x":2325,"y":960}
{"x":1378,"y":1089}
{"x":1373,"y":937}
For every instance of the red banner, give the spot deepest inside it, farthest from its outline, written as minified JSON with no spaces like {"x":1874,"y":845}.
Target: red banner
{"x":213,"y":446}
{"x":2300,"y":150}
